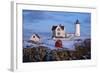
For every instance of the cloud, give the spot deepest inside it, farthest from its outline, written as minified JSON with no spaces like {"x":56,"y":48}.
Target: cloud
{"x":36,"y":16}
{"x":42,"y":21}
{"x":32,"y":16}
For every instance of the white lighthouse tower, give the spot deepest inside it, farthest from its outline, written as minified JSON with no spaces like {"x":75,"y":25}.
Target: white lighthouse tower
{"x":77,"y":28}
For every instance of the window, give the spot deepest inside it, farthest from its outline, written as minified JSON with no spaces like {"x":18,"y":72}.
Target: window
{"x":58,"y":33}
{"x":33,"y":36}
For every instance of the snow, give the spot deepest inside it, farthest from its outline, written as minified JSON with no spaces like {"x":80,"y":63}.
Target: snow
{"x":66,"y":44}
{"x":50,"y":43}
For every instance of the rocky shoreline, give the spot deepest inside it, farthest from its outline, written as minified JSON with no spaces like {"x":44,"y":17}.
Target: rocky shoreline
{"x":43,"y":53}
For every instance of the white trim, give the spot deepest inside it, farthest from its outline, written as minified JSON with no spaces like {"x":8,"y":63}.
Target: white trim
{"x":13,"y":37}
{"x":64,"y":3}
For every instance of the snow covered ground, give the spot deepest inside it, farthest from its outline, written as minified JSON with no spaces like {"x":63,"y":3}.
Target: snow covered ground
{"x":50,"y":43}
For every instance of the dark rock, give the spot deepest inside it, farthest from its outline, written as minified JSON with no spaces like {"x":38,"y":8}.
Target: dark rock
{"x":58,"y":55}
{"x":43,"y":53}
{"x":35,"y":54}
{"x":87,"y":44}
{"x":83,"y":50}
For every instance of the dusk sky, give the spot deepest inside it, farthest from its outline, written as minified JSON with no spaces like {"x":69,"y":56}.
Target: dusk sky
{"x":42,"y":21}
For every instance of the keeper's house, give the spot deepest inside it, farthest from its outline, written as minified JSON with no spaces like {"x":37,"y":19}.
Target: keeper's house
{"x":35,"y":38}
{"x":58,"y":31}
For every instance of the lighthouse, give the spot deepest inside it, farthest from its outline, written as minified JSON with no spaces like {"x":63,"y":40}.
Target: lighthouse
{"x":77,"y":28}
